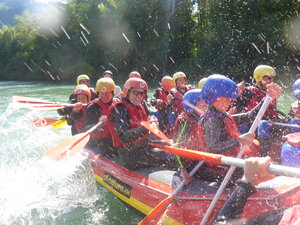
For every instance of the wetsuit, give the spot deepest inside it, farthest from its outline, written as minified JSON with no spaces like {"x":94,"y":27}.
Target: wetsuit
{"x":217,"y":140}
{"x":234,"y":206}
{"x":131,"y":139}
{"x":103,"y":142}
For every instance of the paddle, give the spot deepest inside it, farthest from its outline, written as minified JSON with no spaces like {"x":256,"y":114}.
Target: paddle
{"x":47,"y":107}
{"x":58,"y":124}
{"x":42,"y":122}
{"x":70,"y":146}
{"x":154,"y":216}
{"x":252,"y":129}
{"x":219,"y":159}
{"x":30,"y":100}
{"x":156,"y":213}
{"x":285,"y":125}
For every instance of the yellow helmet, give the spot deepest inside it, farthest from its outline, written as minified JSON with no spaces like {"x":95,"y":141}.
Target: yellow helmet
{"x":105,"y":85}
{"x":178,"y":75}
{"x":263,"y":70}
{"x":201,"y":82}
{"x":82,"y":77}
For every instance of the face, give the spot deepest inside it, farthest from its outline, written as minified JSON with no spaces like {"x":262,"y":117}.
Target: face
{"x":181,"y":82}
{"x":82,"y":98}
{"x":266,"y":80}
{"x":86,"y":82}
{"x":136,"y":96}
{"x":202,"y":106}
{"x":106,"y":97}
{"x":108,"y":75}
{"x":222,"y":104}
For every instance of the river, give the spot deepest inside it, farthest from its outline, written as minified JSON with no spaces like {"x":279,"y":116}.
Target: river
{"x":35,"y":190}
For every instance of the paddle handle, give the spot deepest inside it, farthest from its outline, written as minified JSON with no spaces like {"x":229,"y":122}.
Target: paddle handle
{"x":232,"y":168}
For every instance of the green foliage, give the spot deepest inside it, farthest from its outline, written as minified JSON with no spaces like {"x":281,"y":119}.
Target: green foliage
{"x":154,"y":37}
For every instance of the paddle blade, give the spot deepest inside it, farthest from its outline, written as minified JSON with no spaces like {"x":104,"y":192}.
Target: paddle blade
{"x":58,"y":124}
{"x":45,"y":107}
{"x":41,"y":122}
{"x":196,"y":155}
{"x":154,"y":130}
{"x":21,"y":99}
{"x":155,"y":215}
{"x":68,"y":147}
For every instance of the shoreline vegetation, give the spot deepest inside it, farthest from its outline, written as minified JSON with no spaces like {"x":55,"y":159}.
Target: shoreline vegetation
{"x":154,"y":37}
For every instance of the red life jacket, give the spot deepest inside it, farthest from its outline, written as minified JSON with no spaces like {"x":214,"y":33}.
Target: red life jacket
{"x":104,"y":132}
{"x":232,"y":132}
{"x":136,"y":115}
{"x":193,"y":140}
{"x":257,"y":96}
{"x":79,"y":123}
{"x":178,"y":96}
{"x":162,"y":94}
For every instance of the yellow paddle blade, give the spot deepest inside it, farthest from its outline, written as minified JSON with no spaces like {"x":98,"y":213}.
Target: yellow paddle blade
{"x":58,"y":124}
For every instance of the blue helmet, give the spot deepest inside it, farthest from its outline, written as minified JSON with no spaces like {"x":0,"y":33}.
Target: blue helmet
{"x":190,"y":99}
{"x":296,"y":89}
{"x":217,"y":86}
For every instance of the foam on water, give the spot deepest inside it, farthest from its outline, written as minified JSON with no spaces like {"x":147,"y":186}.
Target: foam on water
{"x":34,"y":189}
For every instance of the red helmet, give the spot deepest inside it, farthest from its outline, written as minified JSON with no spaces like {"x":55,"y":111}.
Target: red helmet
{"x":135,"y":74}
{"x":82,"y":90}
{"x":134,"y":83}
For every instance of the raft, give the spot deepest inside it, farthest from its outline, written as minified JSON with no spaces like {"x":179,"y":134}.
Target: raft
{"x":145,"y":188}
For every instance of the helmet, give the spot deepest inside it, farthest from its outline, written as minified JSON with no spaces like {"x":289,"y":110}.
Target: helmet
{"x":107,"y":72}
{"x":296,"y":89}
{"x":167,"y":83}
{"x":82,"y":77}
{"x":134,"y":83}
{"x":217,"y":86}
{"x":191,"y":98}
{"x":105,"y":85}
{"x":135,"y":74}
{"x":263,"y":70}
{"x":178,"y":75}
{"x":82,"y":90}
{"x":201,"y":82}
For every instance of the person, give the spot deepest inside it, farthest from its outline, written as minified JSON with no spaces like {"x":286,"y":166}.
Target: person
{"x":129,"y":137}
{"x":186,"y":129}
{"x":267,"y":128}
{"x":220,"y":129}
{"x":97,"y":111}
{"x":159,"y":99}
{"x":118,"y":90}
{"x":255,"y":172}
{"x":134,"y":74}
{"x":251,"y":96}
{"x":75,"y":115}
{"x":176,"y":94}
{"x":84,"y":79}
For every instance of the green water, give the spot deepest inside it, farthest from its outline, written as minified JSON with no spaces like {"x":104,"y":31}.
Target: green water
{"x":36,"y":191}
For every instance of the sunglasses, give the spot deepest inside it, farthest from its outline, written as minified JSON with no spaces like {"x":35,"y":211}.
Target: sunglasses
{"x":137,"y":93}
{"x":268,"y":77}
{"x":84,"y":81}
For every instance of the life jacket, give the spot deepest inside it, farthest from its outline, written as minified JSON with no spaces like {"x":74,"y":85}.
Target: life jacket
{"x":232,"y":132}
{"x":136,"y":115}
{"x":178,"y":96}
{"x":79,"y":123}
{"x":193,"y":140}
{"x":291,"y":216}
{"x":162,"y":94}
{"x":104,"y":132}
{"x":257,"y":96}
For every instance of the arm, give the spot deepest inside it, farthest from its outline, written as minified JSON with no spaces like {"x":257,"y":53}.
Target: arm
{"x":93,"y":113}
{"x":119,"y":117}
{"x":154,"y":98}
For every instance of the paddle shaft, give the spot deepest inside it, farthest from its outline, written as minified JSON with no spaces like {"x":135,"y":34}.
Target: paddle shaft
{"x":232,"y":168}
{"x":285,"y":125}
